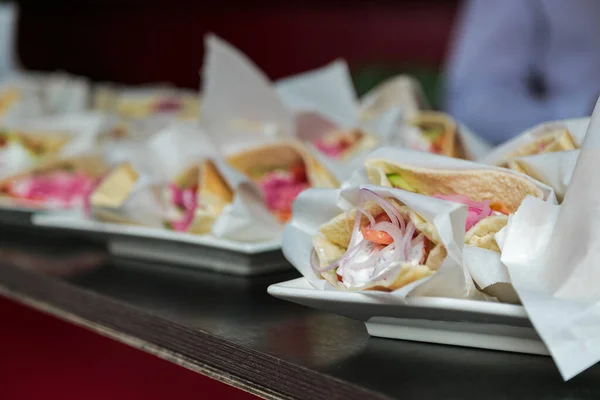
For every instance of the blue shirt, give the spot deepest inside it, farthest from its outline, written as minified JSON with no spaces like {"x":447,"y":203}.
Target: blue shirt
{"x":502,"y":45}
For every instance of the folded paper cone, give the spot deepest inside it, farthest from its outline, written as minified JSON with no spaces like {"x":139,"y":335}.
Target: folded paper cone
{"x":403,"y":92}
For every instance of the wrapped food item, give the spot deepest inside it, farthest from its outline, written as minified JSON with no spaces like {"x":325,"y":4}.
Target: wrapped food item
{"x":344,"y":144}
{"x":191,"y":202}
{"x":490,"y":194}
{"x":39,"y":145}
{"x":56,"y":183}
{"x":196,"y":198}
{"x":548,"y":137}
{"x":554,"y":141}
{"x":21,"y":150}
{"x":381,"y":245}
{"x":282,"y":170}
{"x":436,"y":133}
{"x":133,"y":103}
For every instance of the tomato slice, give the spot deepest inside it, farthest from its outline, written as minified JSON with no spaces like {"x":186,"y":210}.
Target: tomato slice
{"x":283,"y":215}
{"x":375,"y":236}
{"x":500,"y":207}
{"x":298,"y":172}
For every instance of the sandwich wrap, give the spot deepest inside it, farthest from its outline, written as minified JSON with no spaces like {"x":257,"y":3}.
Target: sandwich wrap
{"x":282,"y":170}
{"x":434,"y":132}
{"x":56,"y":182}
{"x":465,"y":182}
{"x":177,"y":179}
{"x":399,"y":246}
{"x":328,"y":216}
{"x":490,"y":194}
{"x":555,"y":136}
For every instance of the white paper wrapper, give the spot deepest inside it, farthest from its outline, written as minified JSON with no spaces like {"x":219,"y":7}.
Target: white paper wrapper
{"x":15,"y":158}
{"x":315,"y":207}
{"x":553,"y":257}
{"x":167,"y":154}
{"x":324,"y":100}
{"x":59,"y":93}
{"x":83,"y":128}
{"x":403,"y":92}
{"x":554,"y":169}
{"x":326,"y":91}
{"x":240,"y":107}
{"x":142,"y":101}
{"x":577,"y":127}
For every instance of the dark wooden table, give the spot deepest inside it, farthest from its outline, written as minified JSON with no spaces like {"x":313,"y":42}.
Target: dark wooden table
{"x":231,"y":330}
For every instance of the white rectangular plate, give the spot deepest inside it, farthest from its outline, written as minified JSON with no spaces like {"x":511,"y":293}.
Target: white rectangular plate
{"x":455,"y":322}
{"x":152,"y":244}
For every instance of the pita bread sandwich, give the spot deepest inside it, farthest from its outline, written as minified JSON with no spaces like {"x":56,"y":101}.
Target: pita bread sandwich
{"x":490,"y":194}
{"x":436,"y":133}
{"x":56,"y":183}
{"x":558,"y":139}
{"x":282,"y":170}
{"x":381,"y":245}
{"x":193,"y":200}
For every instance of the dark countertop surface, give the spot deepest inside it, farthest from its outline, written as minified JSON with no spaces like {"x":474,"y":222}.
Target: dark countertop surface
{"x":229,"y":328}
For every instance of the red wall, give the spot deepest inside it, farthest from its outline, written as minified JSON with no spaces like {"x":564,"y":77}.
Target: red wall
{"x":163,"y":40}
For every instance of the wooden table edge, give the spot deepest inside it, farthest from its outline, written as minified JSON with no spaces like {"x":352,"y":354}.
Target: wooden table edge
{"x":68,"y":302}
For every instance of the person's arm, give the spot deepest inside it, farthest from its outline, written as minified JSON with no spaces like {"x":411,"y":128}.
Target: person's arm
{"x":488,"y":76}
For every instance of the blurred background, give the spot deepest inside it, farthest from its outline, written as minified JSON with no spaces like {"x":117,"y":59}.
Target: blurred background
{"x":137,"y":41}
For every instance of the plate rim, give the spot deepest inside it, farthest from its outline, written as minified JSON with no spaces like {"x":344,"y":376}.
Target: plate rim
{"x":70,"y":220}
{"x":285,"y":291}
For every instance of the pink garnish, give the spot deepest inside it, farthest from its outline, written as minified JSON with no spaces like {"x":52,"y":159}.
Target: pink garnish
{"x":167,"y":105}
{"x":476,"y":210}
{"x":186,"y":201}
{"x":59,"y":188}
{"x":281,"y":189}
{"x":333,"y":150}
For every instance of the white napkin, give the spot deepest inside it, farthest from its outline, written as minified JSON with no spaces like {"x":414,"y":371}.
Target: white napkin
{"x":553,"y":257}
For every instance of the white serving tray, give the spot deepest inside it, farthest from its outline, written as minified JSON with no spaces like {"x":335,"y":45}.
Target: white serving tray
{"x":161,"y":245}
{"x":468,"y":323}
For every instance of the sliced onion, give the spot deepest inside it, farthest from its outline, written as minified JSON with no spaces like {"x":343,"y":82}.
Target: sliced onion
{"x":366,"y":214}
{"x":314,"y":263}
{"x":476,"y":210}
{"x":387,"y":207}
{"x":410,"y":231}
